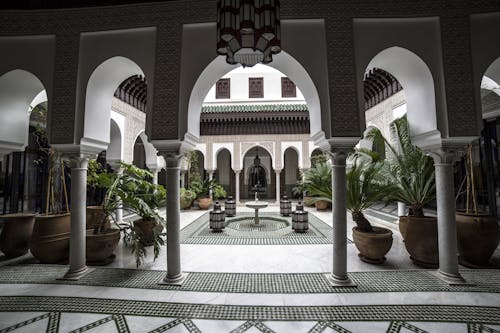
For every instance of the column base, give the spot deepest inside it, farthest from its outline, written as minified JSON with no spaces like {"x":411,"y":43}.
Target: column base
{"x":335,"y":281}
{"x":174,"y":281}
{"x":75,"y":275}
{"x":451,"y":279}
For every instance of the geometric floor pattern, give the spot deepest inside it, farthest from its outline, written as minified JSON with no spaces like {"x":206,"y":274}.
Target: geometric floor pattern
{"x":64,"y":321}
{"x":487,"y":281}
{"x":272,"y":230}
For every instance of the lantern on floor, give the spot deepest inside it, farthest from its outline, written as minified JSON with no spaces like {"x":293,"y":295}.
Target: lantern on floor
{"x":285,"y":206}
{"x":230,"y":206}
{"x":217,"y":218}
{"x":300,"y":219}
{"x":248,"y":31}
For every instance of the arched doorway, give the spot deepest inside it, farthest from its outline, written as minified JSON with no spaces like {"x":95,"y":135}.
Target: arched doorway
{"x":224,"y":174}
{"x":258,"y":174}
{"x":291,"y":173}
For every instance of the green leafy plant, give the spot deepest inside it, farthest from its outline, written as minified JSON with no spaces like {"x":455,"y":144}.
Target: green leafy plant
{"x":186,"y":197}
{"x":318,"y":182}
{"x":366,"y":185}
{"x":133,"y":191}
{"x":218,"y":191}
{"x":408,"y":168}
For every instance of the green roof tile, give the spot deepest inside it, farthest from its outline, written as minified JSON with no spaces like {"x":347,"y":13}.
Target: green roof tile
{"x":254,"y":108}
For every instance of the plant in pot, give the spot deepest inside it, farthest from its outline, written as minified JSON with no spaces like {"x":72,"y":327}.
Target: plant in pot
{"x":202,"y":190}
{"x":318,"y":184}
{"x":140,"y":196}
{"x":50,"y":238}
{"x":478,"y":233}
{"x":366,"y":186}
{"x":98,"y":183}
{"x":101,"y":238}
{"x":412,"y":173}
{"x":18,"y":226}
{"x":187,"y":197}
{"x":218,"y":192}
{"x":300,"y":191}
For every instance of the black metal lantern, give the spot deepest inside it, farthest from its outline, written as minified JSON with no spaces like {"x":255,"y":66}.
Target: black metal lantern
{"x":230,"y":206}
{"x":300,"y":219}
{"x":285,"y":206}
{"x":248,"y":31}
{"x":217,"y":218}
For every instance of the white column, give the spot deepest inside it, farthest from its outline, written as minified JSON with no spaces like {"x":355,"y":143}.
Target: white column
{"x":119,"y":209}
{"x":77,"y":242}
{"x":447,"y":227}
{"x":339,"y":277}
{"x":183,"y":179}
{"x":278,"y":194}
{"x":155,"y":176}
{"x":211,"y":176}
{"x":237,"y":186}
{"x":401,"y":209}
{"x":174,"y":273}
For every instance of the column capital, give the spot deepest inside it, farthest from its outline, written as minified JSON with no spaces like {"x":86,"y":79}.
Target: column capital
{"x":446,"y":155}
{"x":278,"y":170}
{"x":340,"y":147}
{"x":237,"y":170}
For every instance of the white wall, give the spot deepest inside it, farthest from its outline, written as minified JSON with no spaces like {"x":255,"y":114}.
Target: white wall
{"x":239,"y":86}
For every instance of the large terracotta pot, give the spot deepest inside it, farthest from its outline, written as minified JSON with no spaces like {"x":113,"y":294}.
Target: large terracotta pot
{"x":372,"y":246}
{"x":146,"y":227}
{"x":403,"y":222}
{"x":95,"y":215}
{"x":421,"y":240}
{"x":321,"y":205}
{"x":100,"y":247}
{"x":478,"y":237}
{"x":205,"y":203}
{"x":16,"y":233}
{"x":50,"y":239}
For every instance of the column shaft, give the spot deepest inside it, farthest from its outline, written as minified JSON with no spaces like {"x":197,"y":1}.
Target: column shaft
{"x":174,"y":273}
{"x":447,"y":230}
{"x":77,"y":244}
{"x":237,"y":186}
{"x":339,"y":271}
{"x":278,"y":194}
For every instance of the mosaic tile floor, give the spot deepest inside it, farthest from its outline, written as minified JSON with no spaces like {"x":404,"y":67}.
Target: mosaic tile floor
{"x":280,"y":287}
{"x":124,"y":300}
{"x":240,"y":230}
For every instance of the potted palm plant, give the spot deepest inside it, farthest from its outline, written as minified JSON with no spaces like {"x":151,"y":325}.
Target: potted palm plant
{"x":318,"y":185}
{"x":366,"y":186}
{"x":478,"y":233}
{"x":412,"y":173}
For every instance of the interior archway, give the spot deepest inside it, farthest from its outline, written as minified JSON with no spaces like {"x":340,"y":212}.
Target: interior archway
{"x":264,"y":181}
{"x":416,"y":79}
{"x":101,"y":87}
{"x":282,"y":62}
{"x":223,"y":172}
{"x":290,"y":174}
{"x":18,"y":90}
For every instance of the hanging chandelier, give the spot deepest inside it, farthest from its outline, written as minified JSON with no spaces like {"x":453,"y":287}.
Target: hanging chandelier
{"x":248,"y":31}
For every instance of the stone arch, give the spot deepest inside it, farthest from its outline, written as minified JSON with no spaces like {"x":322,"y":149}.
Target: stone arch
{"x":417,"y":82}
{"x":223,"y":168}
{"x":101,"y":86}
{"x":114,"y":152}
{"x":490,"y":91}
{"x":244,"y":152}
{"x":18,"y":91}
{"x":282,"y":62}
{"x":151,"y":154}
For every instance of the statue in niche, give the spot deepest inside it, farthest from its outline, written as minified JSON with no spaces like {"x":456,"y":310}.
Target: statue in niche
{"x":258,"y":182}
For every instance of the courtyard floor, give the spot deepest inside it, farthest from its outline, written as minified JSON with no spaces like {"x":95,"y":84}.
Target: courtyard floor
{"x":272,"y":281}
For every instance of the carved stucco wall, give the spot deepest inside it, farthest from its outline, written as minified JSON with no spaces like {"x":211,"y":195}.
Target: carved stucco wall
{"x":168,"y":17}
{"x":135,"y":122}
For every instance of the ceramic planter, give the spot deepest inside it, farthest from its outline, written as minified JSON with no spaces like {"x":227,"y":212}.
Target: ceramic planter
{"x":16,"y":234}
{"x":372,"y":246}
